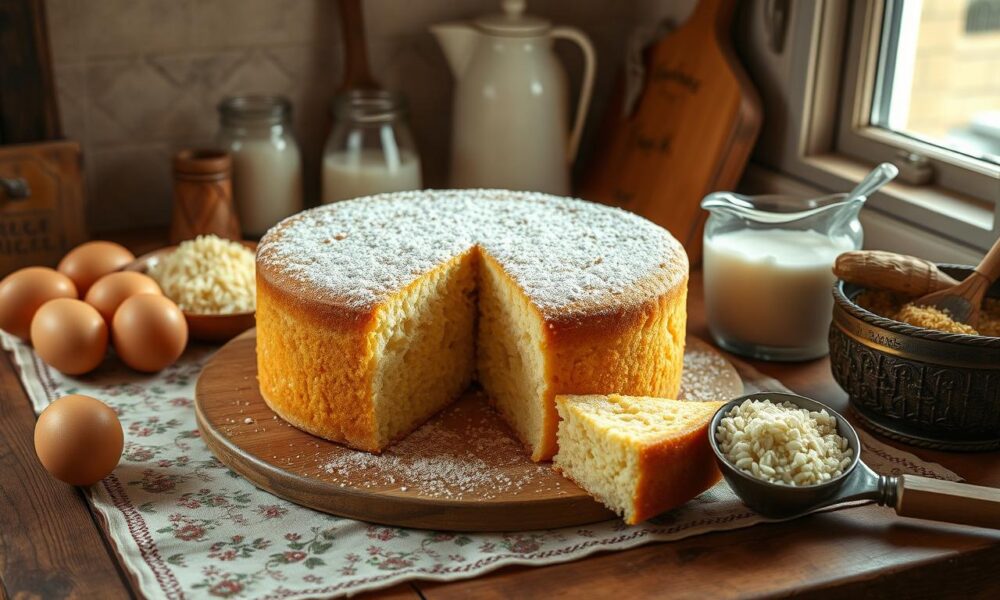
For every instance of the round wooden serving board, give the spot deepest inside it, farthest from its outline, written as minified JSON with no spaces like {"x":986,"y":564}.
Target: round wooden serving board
{"x":462,"y":471}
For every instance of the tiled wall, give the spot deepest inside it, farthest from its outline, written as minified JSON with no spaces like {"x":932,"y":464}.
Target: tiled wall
{"x":138,"y":79}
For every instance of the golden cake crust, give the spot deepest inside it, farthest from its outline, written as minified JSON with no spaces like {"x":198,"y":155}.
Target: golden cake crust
{"x":609,"y":286}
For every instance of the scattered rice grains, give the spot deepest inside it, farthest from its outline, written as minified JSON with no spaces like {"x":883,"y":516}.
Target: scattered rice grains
{"x":782,"y":443}
{"x":891,"y":306}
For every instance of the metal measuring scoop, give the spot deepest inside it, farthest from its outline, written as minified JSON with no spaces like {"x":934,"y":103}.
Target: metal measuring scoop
{"x":911,"y":495}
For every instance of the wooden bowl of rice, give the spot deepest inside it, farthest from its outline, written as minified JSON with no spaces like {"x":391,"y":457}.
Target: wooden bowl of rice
{"x":921,"y":386}
{"x":199,"y":285}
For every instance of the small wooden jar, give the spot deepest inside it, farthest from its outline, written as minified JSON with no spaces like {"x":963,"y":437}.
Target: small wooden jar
{"x":203,"y":196}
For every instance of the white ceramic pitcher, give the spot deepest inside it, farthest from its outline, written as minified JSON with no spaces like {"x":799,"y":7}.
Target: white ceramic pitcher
{"x":510,"y":110}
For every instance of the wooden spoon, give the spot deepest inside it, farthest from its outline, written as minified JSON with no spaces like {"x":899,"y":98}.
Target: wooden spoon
{"x":357,"y":75}
{"x":962,"y":302}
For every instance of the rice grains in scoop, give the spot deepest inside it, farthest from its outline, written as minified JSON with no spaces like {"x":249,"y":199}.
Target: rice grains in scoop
{"x":783,"y":443}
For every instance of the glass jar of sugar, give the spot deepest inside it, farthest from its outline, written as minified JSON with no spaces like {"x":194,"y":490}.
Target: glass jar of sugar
{"x":267,"y":166}
{"x":768,"y":271}
{"x":370,"y":149}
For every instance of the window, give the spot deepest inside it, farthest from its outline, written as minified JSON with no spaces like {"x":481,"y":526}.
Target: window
{"x":938,"y":75}
{"x":920,"y":88}
{"x":913,"y":82}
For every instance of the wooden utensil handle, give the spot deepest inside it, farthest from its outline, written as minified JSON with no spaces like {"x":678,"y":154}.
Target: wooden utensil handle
{"x":356,"y":72}
{"x":937,"y":500}
{"x":990,"y":265}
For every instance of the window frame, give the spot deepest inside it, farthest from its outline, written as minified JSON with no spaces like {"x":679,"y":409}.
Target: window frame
{"x":825,"y":138}
{"x":856,"y":137}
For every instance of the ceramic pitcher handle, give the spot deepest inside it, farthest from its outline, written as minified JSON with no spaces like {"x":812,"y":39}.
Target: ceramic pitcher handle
{"x":586,"y":86}
{"x":937,"y":500}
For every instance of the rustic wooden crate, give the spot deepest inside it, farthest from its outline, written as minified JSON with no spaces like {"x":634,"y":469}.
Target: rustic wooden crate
{"x":39,"y":229}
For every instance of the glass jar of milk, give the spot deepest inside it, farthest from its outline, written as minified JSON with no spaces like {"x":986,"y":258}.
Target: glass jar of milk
{"x":768,"y":264}
{"x":370,"y":149}
{"x":267,"y":167}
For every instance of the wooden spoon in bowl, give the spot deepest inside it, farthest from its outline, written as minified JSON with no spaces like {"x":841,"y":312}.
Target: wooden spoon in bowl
{"x":962,"y":302}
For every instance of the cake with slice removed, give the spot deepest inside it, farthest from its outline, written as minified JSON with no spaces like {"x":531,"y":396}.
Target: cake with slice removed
{"x":639,"y":456}
{"x":373,"y":314}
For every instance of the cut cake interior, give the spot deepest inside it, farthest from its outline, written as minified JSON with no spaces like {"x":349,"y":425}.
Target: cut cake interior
{"x":435,"y":336}
{"x":424,"y":343}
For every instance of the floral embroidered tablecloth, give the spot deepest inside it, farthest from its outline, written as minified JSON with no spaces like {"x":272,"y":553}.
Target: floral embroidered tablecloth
{"x":185,"y":526}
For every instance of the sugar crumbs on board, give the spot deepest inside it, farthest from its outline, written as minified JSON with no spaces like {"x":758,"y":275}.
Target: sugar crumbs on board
{"x":465,"y":452}
{"x":701,"y":381}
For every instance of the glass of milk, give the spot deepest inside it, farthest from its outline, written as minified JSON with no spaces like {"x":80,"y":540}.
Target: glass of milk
{"x":370,"y":149}
{"x":267,"y":166}
{"x":768,"y":271}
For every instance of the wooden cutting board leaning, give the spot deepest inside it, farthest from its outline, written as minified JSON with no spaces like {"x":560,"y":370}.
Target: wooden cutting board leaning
{"x":691,"y":131}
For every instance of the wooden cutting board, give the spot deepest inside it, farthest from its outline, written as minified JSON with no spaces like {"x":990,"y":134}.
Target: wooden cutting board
{"x":462,"y":471}
{"x":691,"y":131}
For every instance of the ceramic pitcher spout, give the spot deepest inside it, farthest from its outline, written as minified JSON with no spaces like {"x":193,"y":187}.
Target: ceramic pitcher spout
{"x":458,"y":41}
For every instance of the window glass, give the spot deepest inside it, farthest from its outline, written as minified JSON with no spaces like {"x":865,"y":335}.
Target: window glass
{"x":938,"y":77}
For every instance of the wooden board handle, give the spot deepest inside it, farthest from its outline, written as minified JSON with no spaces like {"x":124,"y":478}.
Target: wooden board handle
{"x":937,"y":500}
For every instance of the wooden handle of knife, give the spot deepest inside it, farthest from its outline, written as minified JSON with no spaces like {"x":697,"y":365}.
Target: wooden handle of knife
{"x":937,"y":500}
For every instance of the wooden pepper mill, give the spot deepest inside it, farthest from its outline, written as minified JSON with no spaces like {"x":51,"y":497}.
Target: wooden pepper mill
{"x":203,"y":196}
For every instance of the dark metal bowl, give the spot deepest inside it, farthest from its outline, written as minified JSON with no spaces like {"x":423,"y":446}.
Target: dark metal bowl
{"x":920,"y":386}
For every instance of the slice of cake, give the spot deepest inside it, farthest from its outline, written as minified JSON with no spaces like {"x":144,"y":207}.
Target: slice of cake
{"x":640,"y":456}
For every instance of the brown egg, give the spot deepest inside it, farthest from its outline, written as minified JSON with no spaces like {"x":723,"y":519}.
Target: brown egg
{"x":24,"y":291}
{"x":108,"y":292}
{"x":149,"y":332}
{"x":78,"y":439}
{"x":70,"y":335}
{"x":88,"y":262}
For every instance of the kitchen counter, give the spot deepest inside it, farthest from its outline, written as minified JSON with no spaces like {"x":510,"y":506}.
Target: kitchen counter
{"x":51,"y":544}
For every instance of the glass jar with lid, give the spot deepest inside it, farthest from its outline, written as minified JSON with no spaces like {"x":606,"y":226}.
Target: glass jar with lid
{"x":370,"y":149}
{"x":267,"y":166}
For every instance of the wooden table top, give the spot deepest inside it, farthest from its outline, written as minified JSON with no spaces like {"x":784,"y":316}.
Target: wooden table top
{"x":52,"y":544}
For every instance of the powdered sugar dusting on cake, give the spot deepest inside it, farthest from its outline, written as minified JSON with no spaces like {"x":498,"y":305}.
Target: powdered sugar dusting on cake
{"x":564,"y":253}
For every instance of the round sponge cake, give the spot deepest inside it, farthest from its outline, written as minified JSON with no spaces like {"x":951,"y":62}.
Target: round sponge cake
{"x":375,"y":313}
